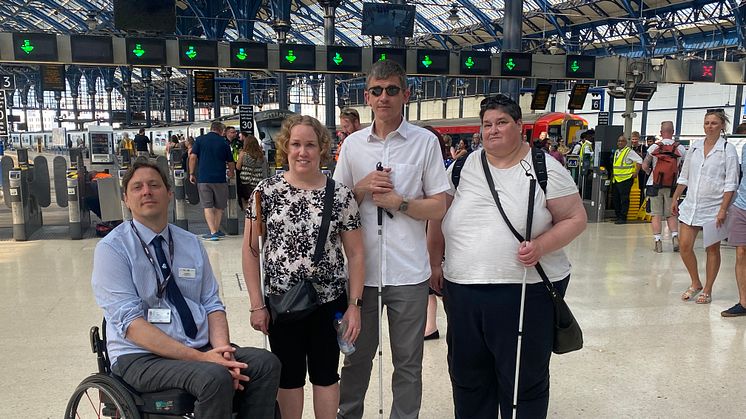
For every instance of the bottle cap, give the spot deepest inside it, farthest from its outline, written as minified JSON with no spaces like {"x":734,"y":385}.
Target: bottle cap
{"x":338,"y":316}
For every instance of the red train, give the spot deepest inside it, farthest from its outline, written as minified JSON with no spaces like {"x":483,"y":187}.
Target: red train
{"x":556,"y":124}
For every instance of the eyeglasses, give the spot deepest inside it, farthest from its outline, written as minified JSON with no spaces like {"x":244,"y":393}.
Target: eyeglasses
{"x":497,"y":100}
{"x":390,"y":90}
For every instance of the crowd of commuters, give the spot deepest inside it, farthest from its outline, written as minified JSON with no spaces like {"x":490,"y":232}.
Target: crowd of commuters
{"x":387,"y":232}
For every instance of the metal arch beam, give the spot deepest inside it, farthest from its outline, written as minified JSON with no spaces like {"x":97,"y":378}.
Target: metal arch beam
{"x":7,"y":13}
{"x":244,"y":13}
{"x":201,"y":17}
{"x":640,"y":28}
{"x":44,"y":17}
{"x":544,"y":4}
{"x":739,"y":17}
{"x":433,"y":30}
{"x":480,"y":15}
{"x":320,"y":20}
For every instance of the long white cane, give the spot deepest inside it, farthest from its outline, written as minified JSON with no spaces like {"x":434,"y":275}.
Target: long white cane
{"x":258,"y":212}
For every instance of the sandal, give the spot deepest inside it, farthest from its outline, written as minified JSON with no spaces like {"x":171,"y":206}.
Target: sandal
{"x":704,"y":298}
{"x":690,"y":293}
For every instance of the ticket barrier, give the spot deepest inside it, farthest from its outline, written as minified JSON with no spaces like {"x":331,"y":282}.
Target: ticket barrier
{"x":126,"y":213}
{"x":595,"y":207}
{"x":26,"y":190}
{"x":180,"y":201}
{"x":231,"y":213}
{"x":67,"y":179}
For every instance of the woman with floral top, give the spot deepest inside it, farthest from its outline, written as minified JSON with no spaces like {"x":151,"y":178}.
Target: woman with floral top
{"x":291,"y":206}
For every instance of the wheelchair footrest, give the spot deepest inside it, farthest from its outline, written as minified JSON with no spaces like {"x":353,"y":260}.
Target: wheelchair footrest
{"x":172,"y":402}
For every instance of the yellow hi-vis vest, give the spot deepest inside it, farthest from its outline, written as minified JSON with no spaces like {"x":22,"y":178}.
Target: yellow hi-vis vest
{"x":622,"y":170}
{"x":585,"y":144}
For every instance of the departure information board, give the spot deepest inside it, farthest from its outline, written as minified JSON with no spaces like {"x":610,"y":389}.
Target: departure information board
{"x":577,"y":96}
{"x":91,"y":49}
{"x":394,"y":54}
{"x":541,"y":96}
{"x":35,"y":46}
{"x":53,"y":77}
{"x":204,"y":86}
{"x":516,"y":64}
{"x":146,"y":51}
{"x":198,"y":53}
{"x":248,"y":55}
{"x":475,"y":63}
{"x":432,"y":61}
{"x":297,"y":57}
{"x":344,"y":59}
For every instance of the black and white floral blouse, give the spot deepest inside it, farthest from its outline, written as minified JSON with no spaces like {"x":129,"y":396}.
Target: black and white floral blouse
{"x":293,"y":220}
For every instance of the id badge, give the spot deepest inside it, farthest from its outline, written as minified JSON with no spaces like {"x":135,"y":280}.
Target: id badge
{"x":159,"y":315}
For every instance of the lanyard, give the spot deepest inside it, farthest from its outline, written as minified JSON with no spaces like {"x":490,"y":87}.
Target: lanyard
{"x":149,"y":255}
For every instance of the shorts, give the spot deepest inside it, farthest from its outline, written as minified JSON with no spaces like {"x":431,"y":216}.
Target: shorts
{"x":737,"y":219}
{"x":309,"y":344}
{"x":213,"y":195}
{"x":661,"y":205}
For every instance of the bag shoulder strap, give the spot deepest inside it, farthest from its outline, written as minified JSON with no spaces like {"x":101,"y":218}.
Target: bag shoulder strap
{"x":458,"y":165}
{"x":326,"y":217}
{"x":539,"y":159}
{"x":485,"y":166}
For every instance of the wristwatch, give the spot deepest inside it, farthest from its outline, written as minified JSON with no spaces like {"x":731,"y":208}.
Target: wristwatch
{"x":356,"y":302}
{"x":404,"y":205}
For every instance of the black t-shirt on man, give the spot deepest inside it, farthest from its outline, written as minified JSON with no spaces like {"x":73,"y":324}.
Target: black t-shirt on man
{"x":141,"y":142}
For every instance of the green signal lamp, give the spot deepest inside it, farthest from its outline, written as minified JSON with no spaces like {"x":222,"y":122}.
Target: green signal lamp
{"x":383,"y":57}
{"x":337,"y":59}
{"x":510,"y":64}
{"x":469,"y":63}
{"x":427,"y":62}
{"x":241,"y":54}
{"x":138,"y":51}
{"x":27,"y":47}
{"x":291,"y":57}
{"x":574,"y":66}
{"x":191,"y":52}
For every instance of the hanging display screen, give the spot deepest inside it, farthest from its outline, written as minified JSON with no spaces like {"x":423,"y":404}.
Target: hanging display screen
{"x":146,"y":51}
{"x":344,"y":59}
{"x":91,"y":49}
{"x":198,"y":53}
{"x":476,"y":63}
{"x":248,"y":55}
{"x":394,"y":54}
{"x":297,"y":57}
{"x":432,"y":61}
{"x":580,"y":67}
{"x":515,"y":64}
{"x":35,"y":47}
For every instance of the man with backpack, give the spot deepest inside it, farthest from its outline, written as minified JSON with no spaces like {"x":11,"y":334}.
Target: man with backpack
{"x":662,"y":165}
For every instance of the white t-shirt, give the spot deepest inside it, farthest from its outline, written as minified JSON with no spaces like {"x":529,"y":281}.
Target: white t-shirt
{"x":417,"y":171}
{"x":479,"y":247}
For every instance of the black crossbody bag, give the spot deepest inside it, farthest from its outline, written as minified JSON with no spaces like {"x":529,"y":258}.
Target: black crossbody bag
{"x":302,"y":299}
{"x":568,"y":336}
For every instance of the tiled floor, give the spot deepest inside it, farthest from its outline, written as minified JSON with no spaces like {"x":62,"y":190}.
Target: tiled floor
{"x":647,"y":353}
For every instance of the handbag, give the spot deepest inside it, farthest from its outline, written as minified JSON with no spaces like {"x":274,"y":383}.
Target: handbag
{"x":568,"y":336}
{"x":302,"y":299}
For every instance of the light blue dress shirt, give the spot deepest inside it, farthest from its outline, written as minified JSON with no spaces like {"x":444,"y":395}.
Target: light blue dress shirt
{"x":125,"y":285}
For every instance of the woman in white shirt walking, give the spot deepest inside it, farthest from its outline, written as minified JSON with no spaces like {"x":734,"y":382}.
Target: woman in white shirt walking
{"x":710,"y":171}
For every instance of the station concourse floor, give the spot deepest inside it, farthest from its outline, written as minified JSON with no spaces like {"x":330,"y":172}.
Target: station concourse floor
{"x":647,"y":354}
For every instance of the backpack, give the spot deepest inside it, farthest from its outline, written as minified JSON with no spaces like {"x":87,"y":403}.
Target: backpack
{"x":537,"y":156}
{"x":666,"y":169}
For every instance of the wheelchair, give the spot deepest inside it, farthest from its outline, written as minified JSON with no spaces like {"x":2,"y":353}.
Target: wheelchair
{"x":105,"y":395}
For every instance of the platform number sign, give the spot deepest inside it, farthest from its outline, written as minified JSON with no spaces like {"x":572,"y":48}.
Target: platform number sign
{"x":7,"y":82}
{"x":246,"y":117}
{"x":3,"y":117}
{"x":596,"y":104}
{"x":236,"y":99}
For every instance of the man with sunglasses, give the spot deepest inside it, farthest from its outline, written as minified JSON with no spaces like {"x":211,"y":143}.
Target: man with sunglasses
{"x":410,"y":186}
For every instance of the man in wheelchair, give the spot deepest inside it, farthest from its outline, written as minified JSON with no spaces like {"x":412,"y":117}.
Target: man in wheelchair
{"x":166,"y":326}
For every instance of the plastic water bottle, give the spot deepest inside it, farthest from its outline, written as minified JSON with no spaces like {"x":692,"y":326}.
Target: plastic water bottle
{"x":341,"y":326}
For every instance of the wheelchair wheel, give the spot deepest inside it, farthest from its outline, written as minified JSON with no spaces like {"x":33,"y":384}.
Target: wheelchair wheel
{"x":101,"y":396}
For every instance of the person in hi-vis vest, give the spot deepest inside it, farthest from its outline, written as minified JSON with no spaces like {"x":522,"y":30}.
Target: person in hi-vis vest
{"x":626,"y":165}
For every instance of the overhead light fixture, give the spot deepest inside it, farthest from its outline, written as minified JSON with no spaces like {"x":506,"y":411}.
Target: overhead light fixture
{"x":91,"y":20}
{"x":653,"y":27}
{"x":616,"y":91}
{"x":554,"y":47}
{"x":453,"y":16}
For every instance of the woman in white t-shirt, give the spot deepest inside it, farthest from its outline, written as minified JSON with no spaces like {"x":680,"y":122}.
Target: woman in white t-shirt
{"x":485,"y":263}
{"x":710,"y":172}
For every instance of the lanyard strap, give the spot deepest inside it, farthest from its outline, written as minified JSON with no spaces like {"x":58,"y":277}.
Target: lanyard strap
{"x":153,"y":263}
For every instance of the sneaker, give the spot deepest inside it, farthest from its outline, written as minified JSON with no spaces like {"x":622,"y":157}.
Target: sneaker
{"x":735,"y":311}
{"x":658,"y":246}
{"x":675,"y":242}
{"x":220,"y":233}
{"x":211,"y":237}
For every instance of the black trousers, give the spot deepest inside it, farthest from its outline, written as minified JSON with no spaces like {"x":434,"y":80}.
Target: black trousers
{"x":482,"y":338}
{"x":621,"y":198}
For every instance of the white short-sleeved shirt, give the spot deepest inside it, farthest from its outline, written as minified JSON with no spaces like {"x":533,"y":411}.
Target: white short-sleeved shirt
{"x":417,"y":171}
{"x":666,"y":141}
{"x":707,"y":179}
{"x":482,"y":250}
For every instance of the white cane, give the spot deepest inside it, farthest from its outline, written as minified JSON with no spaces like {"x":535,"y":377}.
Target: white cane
{"x":529,"y":223}
{"x":258,"y":212}
{"x":380,"y":312}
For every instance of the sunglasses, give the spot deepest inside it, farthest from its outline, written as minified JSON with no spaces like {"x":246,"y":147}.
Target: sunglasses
{"x":390,"y":90}
{"x":497,"y":100}
{"x":716,"y":110}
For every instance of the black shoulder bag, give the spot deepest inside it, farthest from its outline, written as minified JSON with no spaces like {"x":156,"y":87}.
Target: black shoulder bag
{"x":301,"y":300}
{"x":567,"y":334}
